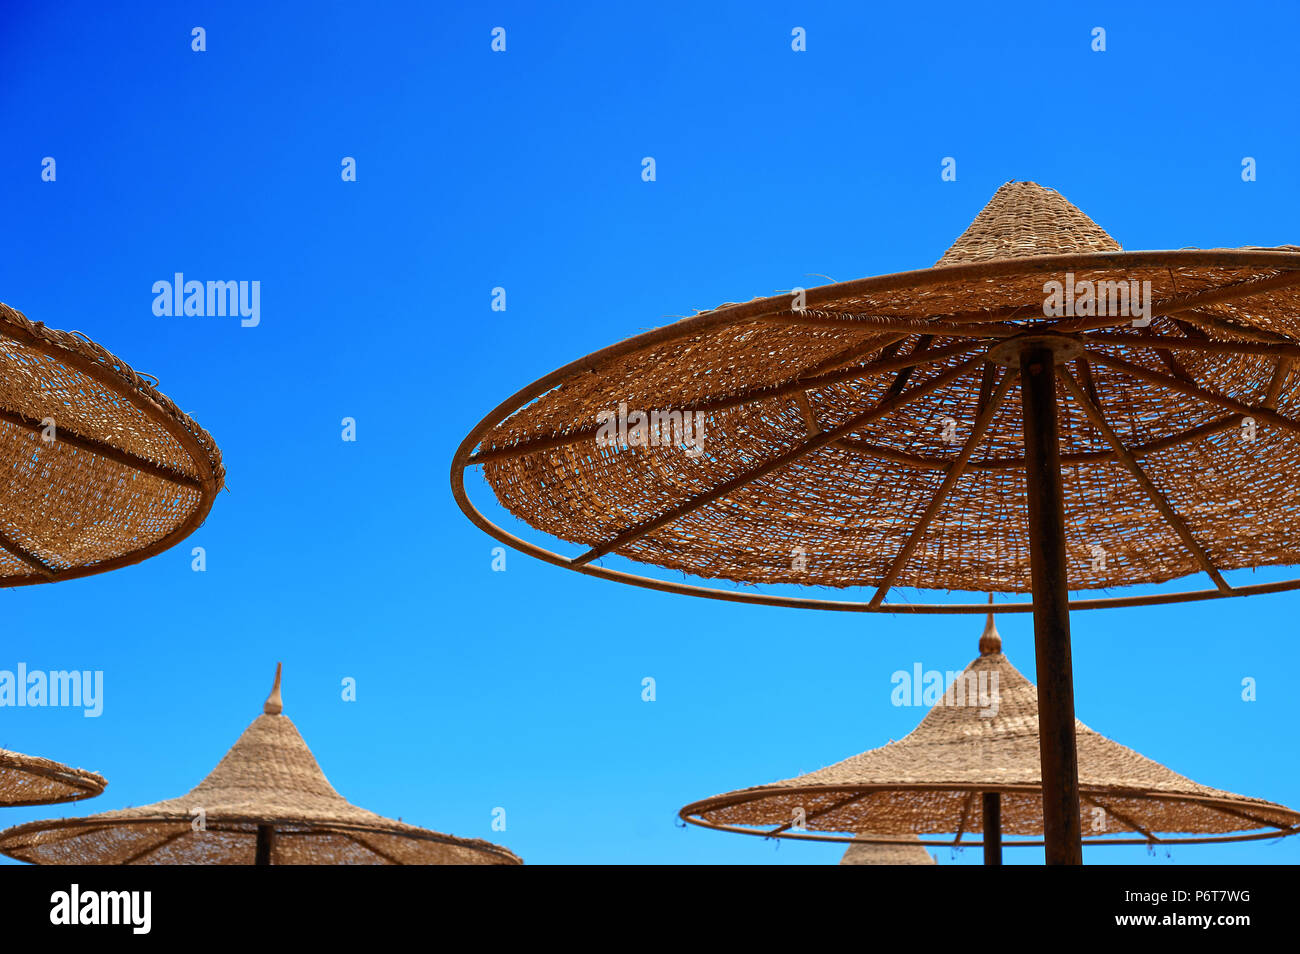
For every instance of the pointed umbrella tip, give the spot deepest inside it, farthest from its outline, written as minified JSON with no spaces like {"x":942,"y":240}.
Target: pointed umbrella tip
{"x":274,"y":704}
{"x":990,"y":641}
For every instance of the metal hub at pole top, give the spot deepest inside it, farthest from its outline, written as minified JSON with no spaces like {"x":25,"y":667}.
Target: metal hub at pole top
{"x":1007,"y":351}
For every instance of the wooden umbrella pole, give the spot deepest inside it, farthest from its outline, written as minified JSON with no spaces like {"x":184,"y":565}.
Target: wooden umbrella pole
{"x":992,"y":828}
{"x":1060,"y":765}
{"x":265,"y":844}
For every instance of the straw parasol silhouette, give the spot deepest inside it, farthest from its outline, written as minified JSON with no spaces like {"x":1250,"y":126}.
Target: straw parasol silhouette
{"x":29,"y":780}
{"x":267,"y":803}
{"x":101,"y":470}
{"x":1006,"y":420}
{"x":972,"y":766}
{"x":886,"y":850}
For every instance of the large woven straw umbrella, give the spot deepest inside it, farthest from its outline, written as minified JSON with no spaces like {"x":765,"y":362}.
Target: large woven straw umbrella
{"x":972,"y":766}
{"x":29,"y":780}
{"x":885,"y":850}
{"x":101,"y":469}
{"x":267,"y":803}
{"x":939,"y":429}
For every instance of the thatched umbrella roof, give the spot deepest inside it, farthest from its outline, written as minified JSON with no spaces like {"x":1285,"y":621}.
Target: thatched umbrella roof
{"x":983,"y":737}
{"x":866,"y":433}
{"x":29,"y":780}
{"x":101,"y":469}
{"x":268,"y":788}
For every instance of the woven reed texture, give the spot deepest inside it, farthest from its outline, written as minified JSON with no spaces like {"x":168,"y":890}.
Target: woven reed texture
{"x":1023,"y":219}
{"x":30,"y":780}
{"x":930,"y":780}
{"x":269,"y":777}
{"x":127,"y":474}
{"x":907,"y":850}
{"x":847,"y":509}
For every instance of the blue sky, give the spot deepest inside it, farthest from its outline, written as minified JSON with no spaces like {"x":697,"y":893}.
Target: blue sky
{"x":521,"y":690}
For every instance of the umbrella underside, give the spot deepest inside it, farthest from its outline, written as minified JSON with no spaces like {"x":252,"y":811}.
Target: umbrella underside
{"x":98,"y":469}
{"x":163,"y":841}
{"x":1215,"y":435}
{"x":30,"y":780}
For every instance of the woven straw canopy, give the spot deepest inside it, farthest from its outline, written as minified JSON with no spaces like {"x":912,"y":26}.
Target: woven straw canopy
{"x":28,"y":780}
{"x":870,"y":433}
{"x":98,"y":468}
{"x":269,"y":780}
{"x":898,"y":850}
{"x":931,"y":780}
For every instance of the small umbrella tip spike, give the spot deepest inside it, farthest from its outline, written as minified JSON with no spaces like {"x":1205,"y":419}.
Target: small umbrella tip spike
{"x":990,"y":641}
{"x":274,"y":704}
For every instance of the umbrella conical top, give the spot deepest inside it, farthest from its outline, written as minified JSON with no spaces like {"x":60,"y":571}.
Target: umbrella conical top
{"x":896,"y":850}
{"x":267,"y":793}
{"x":101,"y":469}
{"x":870,"y":433}
{"x":982,"y":737}
{"x":29,"y":780}
{"x":1024,"y":220}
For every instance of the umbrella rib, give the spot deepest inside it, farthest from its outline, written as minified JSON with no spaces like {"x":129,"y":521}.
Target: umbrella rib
{"x":126,"y":458}
{"x":1191,"y":390}
{"x":31,"y":559}
{"x":900,"y":381}
{"x":822,"y":318}
{"x":149,"y":850}
{"x":886,"y":345}
{"x":796,"y":386}
{"x":816,"y":443}
{"x":965,"y":814}
{"x":1280,"y":371}
{"x":1202,"y":345}
{"x":1122,"y":817}
{"x":1211,"y":322}
{"x":1085,"y":375}
{"x":888,"y":348}
{"x":371,"y":848}
{"x":1098,"y":419}
{"x":809,"y":418}
{"x":1217,"y":296}
{"x":1262,"y":822}
{"x":842,"y":803}
{"x":955,"y":471}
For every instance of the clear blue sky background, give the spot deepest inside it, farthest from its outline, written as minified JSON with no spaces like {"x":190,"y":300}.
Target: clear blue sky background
{"x":522,"y":689}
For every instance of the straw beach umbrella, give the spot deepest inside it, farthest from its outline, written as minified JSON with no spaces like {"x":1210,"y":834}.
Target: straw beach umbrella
{"x":972,"y":766}
{"x":995,"y":422}
{"x":28,"y":780}
{"x":267,"y":803}
{"x":101,"y":470}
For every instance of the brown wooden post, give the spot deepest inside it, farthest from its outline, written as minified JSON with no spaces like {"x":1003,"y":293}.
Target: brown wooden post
{"x":1059,"y":759}
{"x":992,"y":828}
{"x":265,"y":844}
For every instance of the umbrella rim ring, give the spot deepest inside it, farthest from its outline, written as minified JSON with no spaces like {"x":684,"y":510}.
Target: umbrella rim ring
{"x":1007,"y":841}
{"x":412,"y":832}
{"x":690,"y":813}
